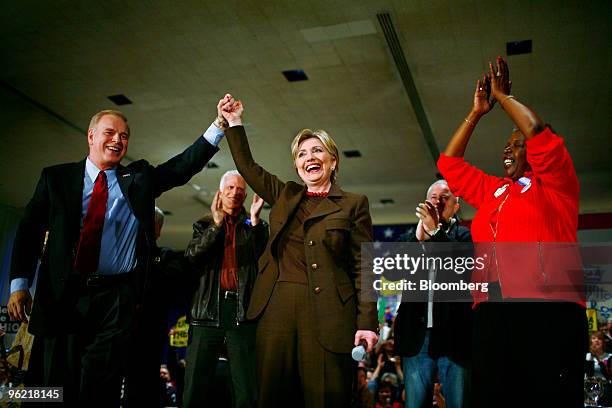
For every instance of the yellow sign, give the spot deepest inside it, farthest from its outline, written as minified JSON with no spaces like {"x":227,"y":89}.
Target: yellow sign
{"x":592,"y":319}
{"x":388,"y":292}
{"x":179,"y":333}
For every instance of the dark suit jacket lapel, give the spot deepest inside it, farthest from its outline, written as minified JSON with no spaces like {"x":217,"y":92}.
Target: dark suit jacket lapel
{"x":73,"y":189}
{"x":326,"y":206}
{"x":124,"y":179}
{"x":285,"y":213}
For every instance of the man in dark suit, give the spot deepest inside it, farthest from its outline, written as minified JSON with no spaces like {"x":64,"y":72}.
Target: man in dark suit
{"x":95,"y":278}
{"x":432,"y":331}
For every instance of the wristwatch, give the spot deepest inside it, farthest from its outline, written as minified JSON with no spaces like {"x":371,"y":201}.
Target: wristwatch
{"x":221,"y":123}
{"x":432,"y":233}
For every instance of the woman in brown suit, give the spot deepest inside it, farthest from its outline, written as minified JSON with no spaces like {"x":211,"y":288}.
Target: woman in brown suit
{"x":307,"y":296}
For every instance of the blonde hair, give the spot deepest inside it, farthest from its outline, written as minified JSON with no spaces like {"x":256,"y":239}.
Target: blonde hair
{"x":96,"y":118}
{"x":325,"y":139}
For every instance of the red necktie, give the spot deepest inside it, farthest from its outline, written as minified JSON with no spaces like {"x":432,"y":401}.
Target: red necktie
{"x":88,"y":250}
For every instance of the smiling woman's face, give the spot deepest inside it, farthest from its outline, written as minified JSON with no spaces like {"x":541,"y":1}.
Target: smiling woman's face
{"x":314,"y":163}
{"x":514,"y":157}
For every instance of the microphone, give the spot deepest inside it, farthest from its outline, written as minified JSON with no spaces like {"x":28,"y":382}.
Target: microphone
{"x":359,"y":352}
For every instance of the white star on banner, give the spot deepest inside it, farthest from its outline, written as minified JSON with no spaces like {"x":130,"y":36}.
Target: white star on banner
{"x":388,"y":233}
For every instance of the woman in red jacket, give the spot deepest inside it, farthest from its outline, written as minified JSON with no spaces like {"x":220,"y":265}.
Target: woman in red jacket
{"x":526,"y":228}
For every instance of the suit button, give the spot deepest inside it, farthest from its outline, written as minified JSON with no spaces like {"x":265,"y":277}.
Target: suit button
{"x":317,"y":290}
{"x":310,"y":243}
{"x":314,"y":266}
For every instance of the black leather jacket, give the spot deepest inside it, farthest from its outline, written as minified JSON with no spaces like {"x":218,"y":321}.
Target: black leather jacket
{"x":205,"y":252}
{"x":451,"y":333}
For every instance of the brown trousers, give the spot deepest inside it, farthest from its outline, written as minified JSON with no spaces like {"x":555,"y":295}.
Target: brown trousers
{"x":293,"y":369}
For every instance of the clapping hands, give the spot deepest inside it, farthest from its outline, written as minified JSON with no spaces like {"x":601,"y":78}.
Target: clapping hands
{"x":483,"y":102}
{"x":216,"y":208}
{"x":428,"y":214}
{"x":493,"y":86}
{"x":499,"y":79}
{"x":256,"y":207}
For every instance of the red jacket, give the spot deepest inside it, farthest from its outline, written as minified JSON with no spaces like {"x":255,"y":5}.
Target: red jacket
{"x":537,"y":223}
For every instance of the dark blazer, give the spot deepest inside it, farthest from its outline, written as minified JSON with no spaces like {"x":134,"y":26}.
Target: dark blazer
{"x":56,"y":207}
{"x":205,"y":251}
{"x":333,"y":234}
{"x":452,"y":321}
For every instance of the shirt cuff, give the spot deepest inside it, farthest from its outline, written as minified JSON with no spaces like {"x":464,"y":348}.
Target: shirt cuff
{"x":19,"y":284}
{"x":213,"y":135}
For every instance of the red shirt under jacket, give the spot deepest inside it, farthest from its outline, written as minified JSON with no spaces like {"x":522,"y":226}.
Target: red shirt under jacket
{"x":544,"y":214}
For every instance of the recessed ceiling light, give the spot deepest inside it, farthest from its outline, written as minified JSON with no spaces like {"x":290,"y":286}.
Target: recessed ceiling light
{"x":120,"y":99}
{"x":518,"y":47}
{"x":352,"y":153}
{"x":295,"y":75}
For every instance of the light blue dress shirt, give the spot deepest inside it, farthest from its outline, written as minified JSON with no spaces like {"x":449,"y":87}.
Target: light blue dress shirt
{"x":118,"y":247}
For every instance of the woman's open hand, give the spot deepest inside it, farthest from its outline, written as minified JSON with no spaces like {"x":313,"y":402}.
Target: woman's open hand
{"x":483,"y":102}
{"x":499,"y":79}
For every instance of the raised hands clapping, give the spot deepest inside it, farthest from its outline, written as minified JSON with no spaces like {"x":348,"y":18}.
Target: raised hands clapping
{"x":427,"y":213}
{"x":499,"y":79}
{"x":483,"y":102}
{"x":216,"y":209}
{"x":493,"y":87}
{"x":256,"y":207}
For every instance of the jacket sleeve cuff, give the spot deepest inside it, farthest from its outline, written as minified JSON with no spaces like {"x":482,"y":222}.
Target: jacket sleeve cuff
{"x":19,"y":284}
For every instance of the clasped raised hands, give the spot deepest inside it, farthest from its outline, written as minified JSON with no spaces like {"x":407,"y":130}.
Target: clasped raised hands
{"x":231,"y":110}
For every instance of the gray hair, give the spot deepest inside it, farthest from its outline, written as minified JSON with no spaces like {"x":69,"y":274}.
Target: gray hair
{"x":441,"y":182}
{"x":159,"y":216}
{"x":227,"y":174}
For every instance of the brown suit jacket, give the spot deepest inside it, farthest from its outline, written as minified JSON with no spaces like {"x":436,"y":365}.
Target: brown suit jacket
{"x":333,"y":234}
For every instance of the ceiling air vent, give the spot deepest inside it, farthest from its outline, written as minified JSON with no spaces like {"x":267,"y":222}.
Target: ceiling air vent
{"x":352,"y":153}
{"x":518,"y":47}
{"x":120,"y":100}
{"x":295,"y":75}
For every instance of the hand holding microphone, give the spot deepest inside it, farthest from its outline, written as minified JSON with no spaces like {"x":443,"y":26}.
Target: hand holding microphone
{"x":359,"y":352}
{"x":365,"y":341}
